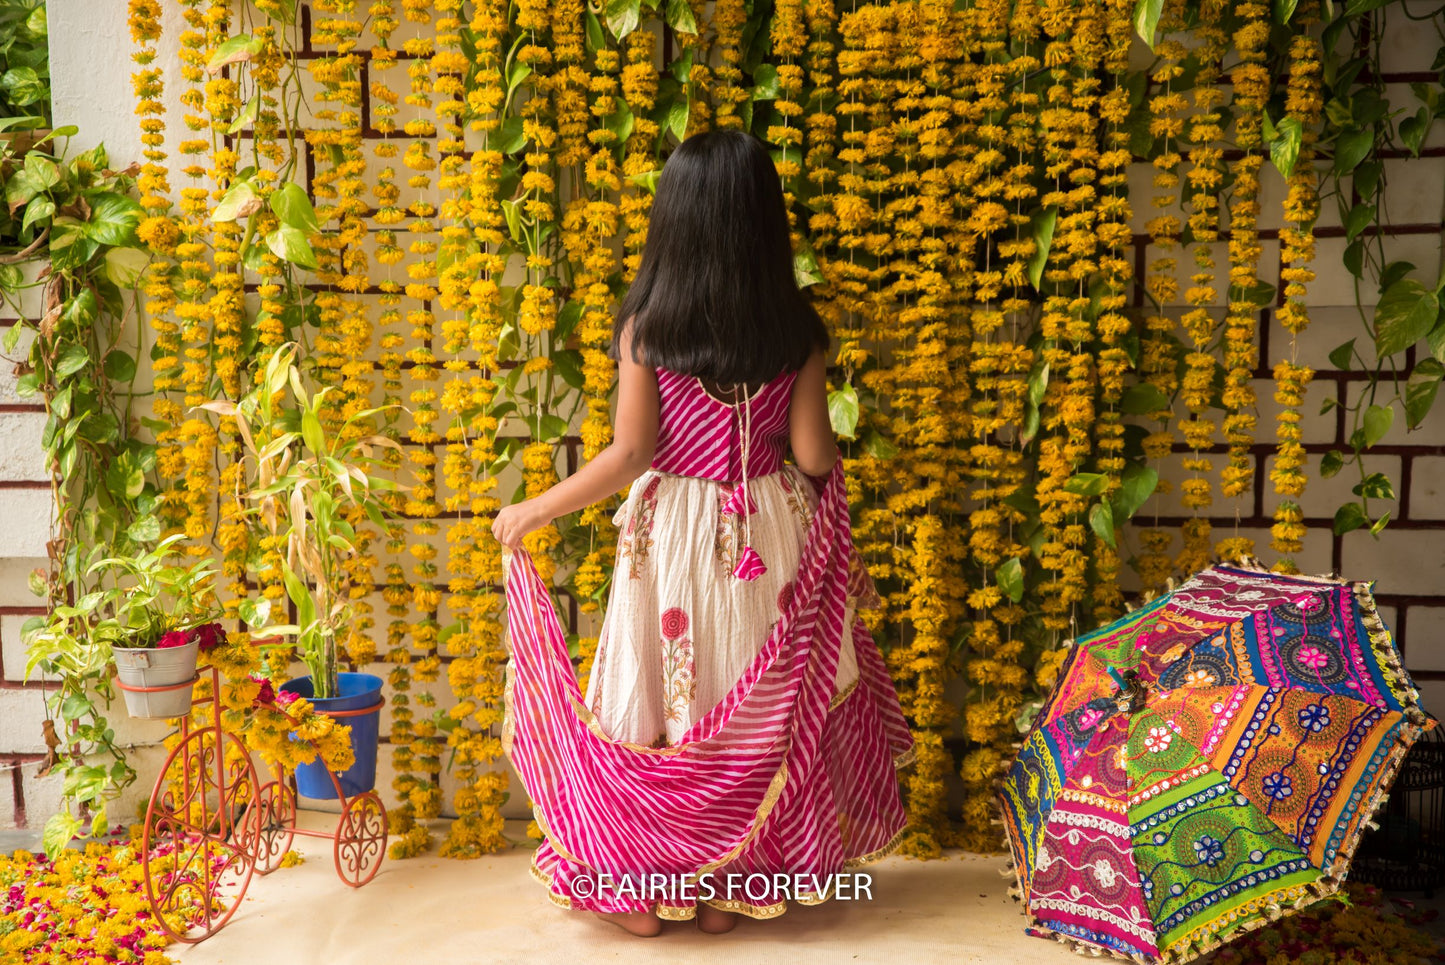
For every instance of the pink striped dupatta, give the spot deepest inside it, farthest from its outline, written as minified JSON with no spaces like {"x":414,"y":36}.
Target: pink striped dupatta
{"x":780,"y":777}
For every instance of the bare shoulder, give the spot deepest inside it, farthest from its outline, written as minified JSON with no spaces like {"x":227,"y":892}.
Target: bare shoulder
{"x":624,"y":337}
{"x":626,"y":359}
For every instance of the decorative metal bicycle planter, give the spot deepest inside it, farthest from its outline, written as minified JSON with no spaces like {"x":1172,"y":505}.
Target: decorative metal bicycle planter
{"x":211,"y":824}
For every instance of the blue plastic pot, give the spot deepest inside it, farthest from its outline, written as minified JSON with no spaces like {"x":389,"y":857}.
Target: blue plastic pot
{"x":358,"y":690}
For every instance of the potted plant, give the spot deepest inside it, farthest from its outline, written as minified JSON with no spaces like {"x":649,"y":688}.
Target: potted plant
{"x":305,"y":486}
{"x":162,"y":615}
{"x":149,"y":618}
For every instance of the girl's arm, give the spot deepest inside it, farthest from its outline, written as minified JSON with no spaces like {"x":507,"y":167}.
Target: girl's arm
{"x":815,"y":448}
{"x":634,"y":439}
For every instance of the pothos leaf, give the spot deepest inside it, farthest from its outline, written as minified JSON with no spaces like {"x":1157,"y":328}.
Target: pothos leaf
{"x":247,"y":116}
{"x":1087,"y":483}
{"x":679,"y":17}
{"x":1379,"y":524}
{"x":843,"y":410}
{"x":1284,"y":146}
{"x":1010,"y":578}
{"x":1406,"y":313}
{"x":1436,"y":340}
{"x":1043,"y":231}
{"x":59,"y":829}
{"x":623,"y":16}
{"x":291,"y":205}
{"x":1378,"y":419}
{"x":677,"y":114}
{"x":1101,"y":521}
{"x":1352,"y":148}
{"x":765,"y":83}
{"x":113,"y":219}
{"x":289,"y":244}
{"x":255,"y":612}
{"x":646,"y":179}
{"x":805,"y":267}
{"x":1341,"y":355}
{"x":878,"y":446}
{"x":233,"y":50}
{"x":1146,"y":19}
{"x":551,"y":427}
{"x":1420,"y":390}
{"x":240,"y":195}
{"x":1350,"y":516}
{"x":1136,"y":486}
{"x":125,"y":265}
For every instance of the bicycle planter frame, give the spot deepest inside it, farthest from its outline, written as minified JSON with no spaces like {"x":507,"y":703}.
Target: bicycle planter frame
{"x":212,"y":825}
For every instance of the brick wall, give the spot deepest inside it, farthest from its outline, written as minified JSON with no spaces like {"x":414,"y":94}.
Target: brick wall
{"x":93,"y":90}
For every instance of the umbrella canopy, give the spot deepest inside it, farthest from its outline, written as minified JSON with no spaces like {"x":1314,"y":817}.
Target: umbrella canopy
{"x":1208,"y":762}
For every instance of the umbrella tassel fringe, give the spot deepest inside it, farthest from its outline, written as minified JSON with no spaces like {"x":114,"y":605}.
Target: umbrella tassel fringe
{"x":1040,"y":930}
{"x":1398,"y":676}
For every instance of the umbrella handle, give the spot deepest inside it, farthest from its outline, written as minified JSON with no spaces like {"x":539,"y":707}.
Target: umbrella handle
{"x":1130,"y":696}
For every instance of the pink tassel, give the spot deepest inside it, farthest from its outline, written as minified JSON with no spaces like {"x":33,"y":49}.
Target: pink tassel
{"x":735,"y":501}
{"x":750,"y":565}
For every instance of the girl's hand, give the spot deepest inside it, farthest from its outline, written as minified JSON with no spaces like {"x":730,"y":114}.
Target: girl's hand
{"x":516,"y":521}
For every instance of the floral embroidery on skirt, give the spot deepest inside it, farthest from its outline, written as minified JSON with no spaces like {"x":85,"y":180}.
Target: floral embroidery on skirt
{"x":680,"y":631}
{"x":679,"y":685}
{"x":637,"y":540}
{"x":728,"y":532}
{"x":797,"y":502}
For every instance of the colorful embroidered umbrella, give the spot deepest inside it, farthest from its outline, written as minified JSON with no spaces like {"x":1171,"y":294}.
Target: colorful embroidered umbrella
{"x":1208,"y":763}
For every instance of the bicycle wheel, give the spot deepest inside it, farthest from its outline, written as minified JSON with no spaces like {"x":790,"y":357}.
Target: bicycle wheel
{"x":361,"y":839}
{"x":200,"y":831}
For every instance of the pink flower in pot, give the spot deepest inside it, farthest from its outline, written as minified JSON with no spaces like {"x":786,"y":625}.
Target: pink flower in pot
{"x":173,"y":638}
{"x":210,"y":635}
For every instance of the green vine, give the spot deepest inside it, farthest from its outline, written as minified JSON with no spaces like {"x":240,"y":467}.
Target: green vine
{"x":1404,"y":333}
{"x":75,"y":219}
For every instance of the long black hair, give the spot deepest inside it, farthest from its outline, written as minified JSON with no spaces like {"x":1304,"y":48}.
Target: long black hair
{"x":715,"y":295}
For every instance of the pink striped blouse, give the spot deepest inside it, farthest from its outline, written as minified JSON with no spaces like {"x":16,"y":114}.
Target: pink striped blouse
{"x":699,"y":435}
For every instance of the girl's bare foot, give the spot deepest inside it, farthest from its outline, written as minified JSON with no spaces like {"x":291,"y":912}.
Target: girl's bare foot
{"x":715,"y":921}
{"x":643,"y":924}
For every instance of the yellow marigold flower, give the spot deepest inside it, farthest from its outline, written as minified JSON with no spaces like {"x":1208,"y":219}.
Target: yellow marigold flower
{"x":159,"y":233}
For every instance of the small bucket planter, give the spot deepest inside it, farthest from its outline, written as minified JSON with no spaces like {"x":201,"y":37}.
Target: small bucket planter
{"x":156,"y":682}
{"x":359,"y":705}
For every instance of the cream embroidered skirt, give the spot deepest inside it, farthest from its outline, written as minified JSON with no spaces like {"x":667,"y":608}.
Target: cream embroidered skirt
{"x":679,"y":628}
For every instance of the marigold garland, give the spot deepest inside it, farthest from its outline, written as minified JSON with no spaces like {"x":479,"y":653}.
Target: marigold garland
{"x":418,"y":780}
{"x":980,"y":191}
{"x":1113,"y":326}
{"x":1251,"y":89}
{"x":186,"y":457}
{"x":1204,"y":178}
{"x":1304,"y":103}
{"x":1157,"y":362}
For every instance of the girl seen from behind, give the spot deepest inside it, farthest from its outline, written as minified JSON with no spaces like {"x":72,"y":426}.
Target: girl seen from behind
{"x":739,"y":733}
